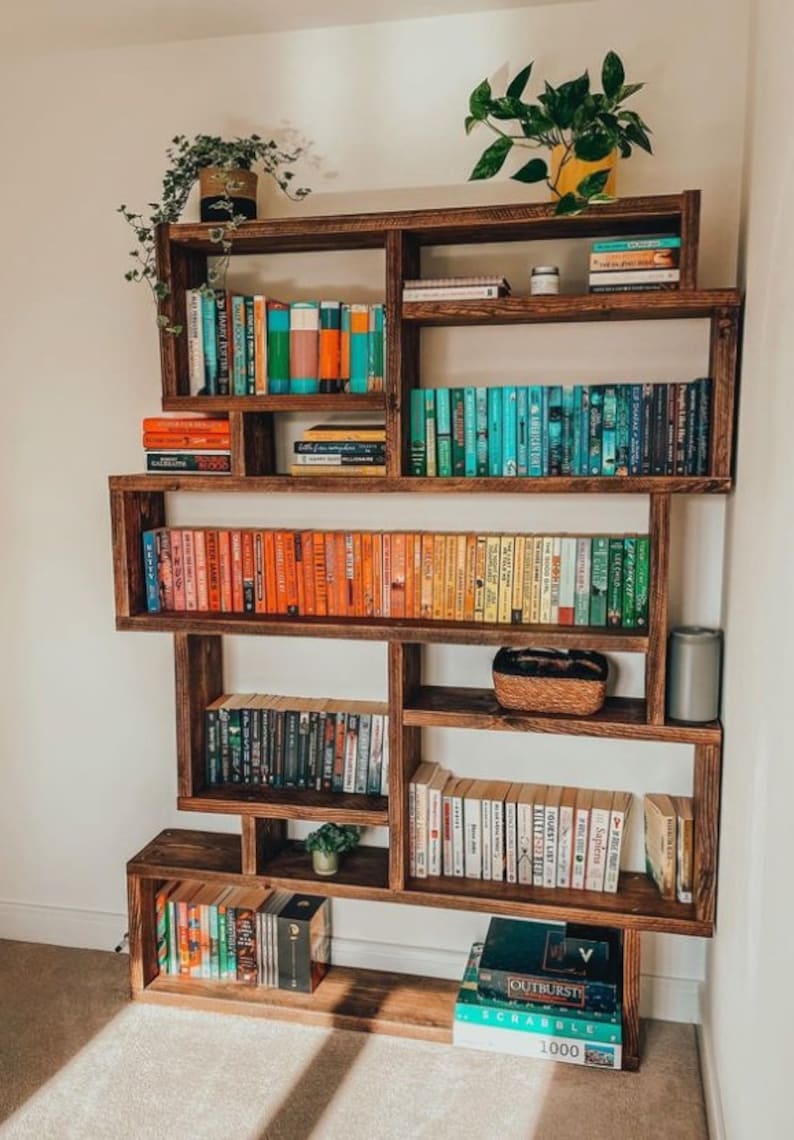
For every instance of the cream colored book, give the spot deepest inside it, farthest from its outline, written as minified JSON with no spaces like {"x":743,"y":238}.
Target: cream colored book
{"x":660,"y":828}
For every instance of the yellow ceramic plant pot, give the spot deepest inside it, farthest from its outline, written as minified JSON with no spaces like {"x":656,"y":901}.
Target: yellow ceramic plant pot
{"x":576,"y":169}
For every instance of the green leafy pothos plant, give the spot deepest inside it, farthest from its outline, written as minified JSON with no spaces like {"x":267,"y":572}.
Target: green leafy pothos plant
{"x":187,"y":157}
{"x":589,"y":125}
{"x":333,"y":837}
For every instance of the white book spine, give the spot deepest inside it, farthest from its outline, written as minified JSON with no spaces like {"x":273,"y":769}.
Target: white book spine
{"x":633,"y":276}
{"x":447,"y":862}
{"x":351,"y":751}
{"x":375,"y":752}
{"x":412,"y":829}
{"x":550,"y":845}
{"x":581,"y":602}
{"x":524,"y":843}
{"x":434,"y":831}
{"x":421,"y":831}
{"x":580,"y":848}
{"x":497,"y":841}
{"x":568,"y":576}
{"x":564,"y":845}
{"x":384,"y":768}
{"x":545,"y":579}
{"x":458,"y":843}
{"x":454,"y":293}
{"x":597,"y":849}
{"x":472,"y":824}
{"x":486,"y":839}
{"x":538,"y":822}
{"x":511,"y":860}
{"x":195,"y":342}
{"x":617,"y":821}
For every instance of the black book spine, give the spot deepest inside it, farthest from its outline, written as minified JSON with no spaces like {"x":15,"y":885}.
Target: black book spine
{"x":277,"y":736}
{"x":245,"y":744}
{"x":703,"y":426}
{"x":329,"y":743}
{"x":690,"y":444}
{"x":659,"y":430}
{"x":303,"y":750}
{"x":291,"y":731}
{"x":646,"y":440}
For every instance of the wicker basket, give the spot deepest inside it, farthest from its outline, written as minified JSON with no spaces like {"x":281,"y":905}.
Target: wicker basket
{"x":572,"y":681}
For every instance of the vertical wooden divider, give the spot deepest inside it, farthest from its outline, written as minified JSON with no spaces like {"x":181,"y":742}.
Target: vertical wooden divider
{"x":183,"y":269}
{"x":142,"y":931}
{"x":690,"y":232}
{"x":706,"y":807}
{"x":405,"y":665}
{"x":261,"y":839}
{"x":253,"y":443}
{"x":631,"y":999}
{"x":656,"y":658}
{"x":131,"y":513}
{"x":724,"y":372}
{"x":402,"y":350}
{"x":198,"y":667}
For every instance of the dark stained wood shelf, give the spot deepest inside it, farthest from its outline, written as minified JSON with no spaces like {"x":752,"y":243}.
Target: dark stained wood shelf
{"x":407,"y":484}
{"x":435,"y":706}
{"x":321,"y":402}
{"x":672,"y":305}
{"x":370,"y":1000}
{"x":363,"y":872}
{"x":289,"y":803}
{"x":390,"y":629}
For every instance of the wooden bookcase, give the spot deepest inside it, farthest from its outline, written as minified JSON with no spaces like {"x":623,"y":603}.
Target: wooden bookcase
{"x":262,"y":853}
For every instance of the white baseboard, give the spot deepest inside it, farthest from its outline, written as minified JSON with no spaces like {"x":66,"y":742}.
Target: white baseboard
{"x":668,"y":999}
{"x":711,"y":1086}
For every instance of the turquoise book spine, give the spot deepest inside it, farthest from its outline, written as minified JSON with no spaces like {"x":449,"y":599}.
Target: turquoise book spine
{"x":215,"y":956}
{"x":622,"y":429}
{"x":609,"y":419}
{"x":555,"y":430}
{"x":150,"y":571}
{"x":418,"y":434}
{"x":458,"y":433}
{"x":444,"y":432}
{"x":431,"y":444}
{"x":359,"y":347}
{"x":494,"y":431}
{"x":239,"y":356}
{"x":223,"y":960}
{"x":344,"y":348}
{"x":567,"y":432}
{"x":522,"y":431}
{"x":375,"y":349}
{"x":209,"y":333}
{"x":535,"y":457}
{"x":278,"y":348}
{"x":594,"y":429}
{"x":469,"y":433}
{"x":544,"y":429}
{"x":509,"y":430}
{"x":576,"y":446}
{"x":584,"y":442}
{"x":481,"y":406}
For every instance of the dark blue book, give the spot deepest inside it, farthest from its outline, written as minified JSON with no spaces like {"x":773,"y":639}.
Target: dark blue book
{"x":690,"y":439}
{"x":622,"y":430}
{"x":584,"y":441}
{"x":566,"y":467}
{"x":635,"y":429}
{"x":555,"y":430}
{"x":659,"y":430}
{"x":647,"y":428}
{"x":594,"y":429}
{"x":576,"y":443}
{"x":703,"y":427}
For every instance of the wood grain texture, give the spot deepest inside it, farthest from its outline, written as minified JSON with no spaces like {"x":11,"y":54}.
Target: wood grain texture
{"x":631,"y":1000}
{"x":253,"y":444}
{"x":311,"y":404}
{"x":404,"y":754}
{"x":724,"y":371}
{"x":656,"y":660}
{"x":706,"y":807}
{"x":621,"y":718}
{"x":142,"y":931}
{"x":262,"y":841}
{"x":690,"y":238}
{"x":402,"y":349}
{"x":182,"y":268}
{"x":198,"y":663}
{"x":363,"y":872}
{"x":131,"y":513}
{"x":287,"y":803}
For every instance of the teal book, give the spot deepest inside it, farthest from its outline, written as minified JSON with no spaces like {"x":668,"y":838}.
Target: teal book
{"x":458,"y":433}
{"x":250,"y":348}
{"x":151,"y":578}
{"x":609,"y":418}
{"x":481,"y":409}
{"x":522,"y":431}
{"x":584,"y":441}
{"x":239,"y":357}
{"x":594,"y":429}
{"x":215,"y":961}
{"x":431,"y":448}
{"x":375,"y":346}
{"x":277,"y":348}
{"x":535,"y":442}
{"x":209,"y":332}
{"x":615,"y":587}
{"x":599,"y":581}
{"x":555,"y":430}
{"x":444,"y":431}
{"x":622,"y":430}
{"x":620,"y":245}
{"x":418,"y":436}
{"x":494,"y":431}
{"x":544,"y":428}
{"x":509,"y":430}
{"x":223,"y":958}
{"x":642,"y":589}
{"x":576,"y":443}
{"x":344,"y":348}
{"x":567,"y":432}
{"x":359,"y":347}
{"x":469,"y":433}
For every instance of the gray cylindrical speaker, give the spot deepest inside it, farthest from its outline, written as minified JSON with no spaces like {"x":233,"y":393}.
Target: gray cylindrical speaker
{"x":693,"y":674}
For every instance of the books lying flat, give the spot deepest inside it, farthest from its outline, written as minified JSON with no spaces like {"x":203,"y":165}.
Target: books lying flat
{"x":455,"y":282}
{"x":455,"y":293}
{"x":337,"y":469}
{"x":200,"y":462}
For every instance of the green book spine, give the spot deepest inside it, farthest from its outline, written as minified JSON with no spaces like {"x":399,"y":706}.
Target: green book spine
{"x":494,"y":431}
{"x":643,"y":580}
{"x":223,"y":744}
{"x":375,"y":354}
{"x":231,"y":943}
{"x":215,"y":954}
{"x":629,"y":583}
{"x":615,"y":589}
{"x":622,"y":430}
{"x":509,"y":430}
{"x":458,"y":433}
{"x":277,"y":348}
{"x":535,"y":446}
{"x":444,"y":431}
{"x":223,"y":958}
{"x":431,"y":447}
{"x":213,"y":752}
{"x":609,"y":416}
{"x":469,"y":433}
{"x":599,"y":581}
{"x":235,"y":747}
{"x":173,"y":938}
{"x":481,"y":406}
{"x":239,"y":361}
{"x":594,"y":429}
{"x":245,"y":736}
{"x":250,"y":348}
{"x":418,"y":438}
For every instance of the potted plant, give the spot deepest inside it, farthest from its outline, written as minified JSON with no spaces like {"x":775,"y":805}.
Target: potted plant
{"x":584,"y":130}
{"x":327,"y":843}
{"x":224,"y":169}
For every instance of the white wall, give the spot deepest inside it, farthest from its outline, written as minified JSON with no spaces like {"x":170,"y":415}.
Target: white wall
{"x":749,"y":1005}
{"x":88,"y":714}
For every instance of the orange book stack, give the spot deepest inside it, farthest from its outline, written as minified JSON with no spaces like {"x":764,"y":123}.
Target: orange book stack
{"x":187,"y":444}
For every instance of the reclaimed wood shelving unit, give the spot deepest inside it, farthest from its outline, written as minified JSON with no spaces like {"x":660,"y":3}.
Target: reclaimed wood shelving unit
{"x":263,"y":853}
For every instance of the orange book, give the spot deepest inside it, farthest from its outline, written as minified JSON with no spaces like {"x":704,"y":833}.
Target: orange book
{"x":249,"y":584}
{"x":260,"y":346}
{"x":281,"y":574}
{"x":340,"y":557}
{"x":350,"y":573}
{"x":358,"y":576}
{"x":367,"y":580}
{"x":189,"y":562}
{"x":309,"y":596}
{"x":213,"y":571}
{"x":409,"y":575}
{"x":450,"y":571}
{"x":426,"y":587}
{"x":193,"y":423}
{"x":398,"y":575}
{"x":387,"y":573}
{"x":320,"y":580}
{"x":200,"y":556}
{"x":168,"y":441}
{"x":460,"y":577}
{"x":178,"y":570}
{"x":470,"y":577}
{"x":330,"y":573}
{"x":377,"y":574}
{"x":271,"y":590}
{"x":290,"y":572}
{"x":237,"y":571}
{"x":439,"y":564}
{"x":299,"y":580}
{"x":225,"y":561}
{"x":416,"y":604}
{"x":260,"y":591}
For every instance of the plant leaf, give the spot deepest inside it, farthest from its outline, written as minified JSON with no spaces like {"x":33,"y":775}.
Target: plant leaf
{"x":595,"y":144}
{"x":612,"y":74}
{"x":480,"y":100}
{"x":506,"y":108}
{"x":599,"y":199}
{"x":570,"y":204}
{"x":638,"y":136}
{"x":535,"y":170}
{"x":534,"y":123}
{"x":627,"y":90}
{"x":492,"y":159}
{"x":515,"y":89}
{"x":569,"y":97}
{"x":625,"y":148}
{"x":470,"y":123}
{"x":592,"y":184}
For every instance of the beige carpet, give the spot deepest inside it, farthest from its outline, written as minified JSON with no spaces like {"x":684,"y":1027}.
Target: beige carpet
{"x":78,"y":1061}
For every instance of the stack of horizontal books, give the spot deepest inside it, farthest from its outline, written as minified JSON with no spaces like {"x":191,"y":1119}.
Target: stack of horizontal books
{"x":455,"y":288}
{"x":629,"y":265}
{"x":341,"y":449}
{"x":197,"y":444}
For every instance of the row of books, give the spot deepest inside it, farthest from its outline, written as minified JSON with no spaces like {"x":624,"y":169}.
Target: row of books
{"x":519,"y":833}
{"x":598,"y":429}
{"x":286,"y":742}
{"x":670,"y":844}
{"x":505,"y":579}
{"x":455,"y":288}
{"x":252,"y":935}
{"x":344,"y":449}
{"x":635,"y":264}
{"x":245,"y":345}
{"x":187,"y":443}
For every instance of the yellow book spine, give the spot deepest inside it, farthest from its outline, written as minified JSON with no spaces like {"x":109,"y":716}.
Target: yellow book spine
{"x":526,"y":592}
{"x":460,"y":578}
{"x":426,"y":597}
{"x":545,"y":580}
{"x":479,"y":578}
{"x":518,"y":579}
{"x":537,"y":567}
{"x":439,"y":562}
{"x":260,"y":341}
{"x":492,"y":547}
{"x":451,"y":558}
{"x":506,"y":551}
{"x":357,"y":469}
{"x":470,"y":577}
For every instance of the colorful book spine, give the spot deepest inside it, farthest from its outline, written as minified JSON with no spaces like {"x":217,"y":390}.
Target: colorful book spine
{"x":494,"y":431}
{"x":330,"y":350}
{"x":443,"y":432}
{"x":375,"y":348}
{"x":359,"y":347}
{"x":469,"y":433}
{"x":210,"y":342}
{"x":239,"y":355}
{"x":304,"y":347}
{"x":418,"y":433}
{"x":278,"y":320}
{"x":458,"y":416}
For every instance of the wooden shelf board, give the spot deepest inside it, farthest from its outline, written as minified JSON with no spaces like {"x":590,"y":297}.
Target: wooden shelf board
{"x":363,"y":873}
{"x":371,"y":1001}
{"x":289,"y":803}
{"x":469,"y":224}
{"x":658,"y":305}
{"x":436,"y":706}
{"x":322,"y":402}
{"x":390,"y":629}
{"x":406,"y":484}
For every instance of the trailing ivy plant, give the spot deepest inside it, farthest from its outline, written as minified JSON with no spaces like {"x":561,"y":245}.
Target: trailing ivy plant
{"x":590,"y":125}
{"x":187,"y":157}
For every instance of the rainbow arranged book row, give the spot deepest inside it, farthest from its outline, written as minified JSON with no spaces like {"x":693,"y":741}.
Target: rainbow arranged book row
{"x":284,"y":742}
{"x":597,"y":429}
{"x":512,"y":832}
{"x":494,"y":578}
{"x":244,"y":345}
